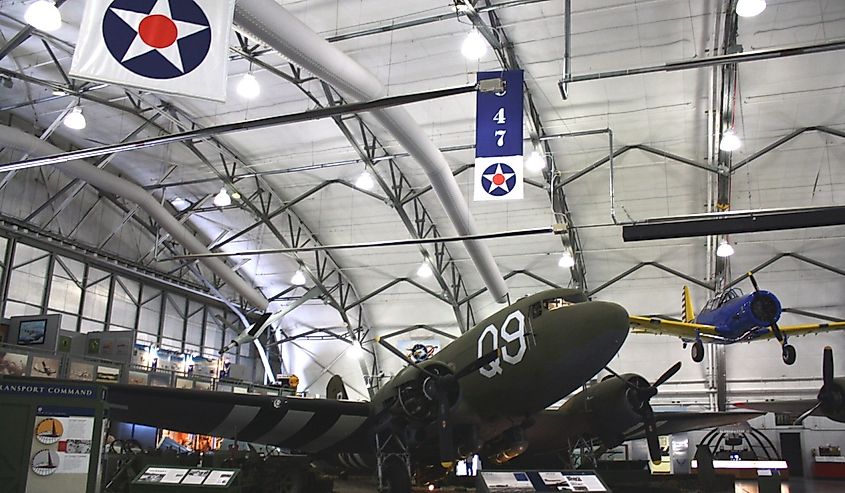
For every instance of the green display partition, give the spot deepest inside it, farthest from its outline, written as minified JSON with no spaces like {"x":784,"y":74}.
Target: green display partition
{"x":168,"y":479}
{"x":52,"y":434}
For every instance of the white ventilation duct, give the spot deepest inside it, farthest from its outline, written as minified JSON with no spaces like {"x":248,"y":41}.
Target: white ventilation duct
{"x":270,"y":23}
{"x":96,"y":177}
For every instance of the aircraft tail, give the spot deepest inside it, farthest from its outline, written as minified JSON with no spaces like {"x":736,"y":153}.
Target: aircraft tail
{"x":687,"y":309}
{"x":335,"y":389}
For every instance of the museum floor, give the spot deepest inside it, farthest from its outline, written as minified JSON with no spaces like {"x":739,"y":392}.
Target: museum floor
{"x":797,"y":485}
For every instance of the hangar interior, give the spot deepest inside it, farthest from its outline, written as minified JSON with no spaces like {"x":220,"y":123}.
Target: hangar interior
{"x":626,"y":111}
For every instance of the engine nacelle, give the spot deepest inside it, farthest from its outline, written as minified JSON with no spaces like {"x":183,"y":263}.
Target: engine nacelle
{"x":611,"y":406}
{"x":416,"y":397}
{"x":509,"y":445}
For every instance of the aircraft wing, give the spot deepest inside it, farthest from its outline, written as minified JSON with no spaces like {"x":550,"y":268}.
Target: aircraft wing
{"x":685,"y":330}
{"x":306,"y":425}
{"x":552,"y":429}
{"x":679,"y":422}
{"x":793,"y":408}
{"x":806,"y":329}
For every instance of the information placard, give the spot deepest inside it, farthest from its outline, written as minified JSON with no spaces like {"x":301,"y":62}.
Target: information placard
{"x":61,"y":450}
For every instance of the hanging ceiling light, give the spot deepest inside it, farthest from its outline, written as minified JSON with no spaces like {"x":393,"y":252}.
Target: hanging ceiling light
{"x":248,"y":87}
{"x":222,"y":199}
{"x":725,"y":249}
{"x":357,"y":351}
{"x":75,"y":119}
{"x":298,"y":278}
{"x":365,"y":181}
{"x":750,"y":8}
{"x":424,"y":270}
{"x":567,"y":261}
{"x":730,"y":141}
{"x":44,"y":16}
{"x":179,"y":203}
{"x":475,"y":46}
{"x":535,"y":162}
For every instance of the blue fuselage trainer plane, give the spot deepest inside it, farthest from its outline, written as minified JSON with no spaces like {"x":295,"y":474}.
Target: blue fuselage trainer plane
{"x":730,"y":318}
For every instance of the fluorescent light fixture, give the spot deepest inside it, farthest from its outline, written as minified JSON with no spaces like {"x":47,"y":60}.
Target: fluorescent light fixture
{"x":365,"y":181}
{"x":44,"y":16}
{"x":59,"y":92}
{"x":535,"y":163}
{"x":298,"y":278}
{"x":750,"y":8}
{"x":730,"y":141}
{"x":222,"y":199}
{"x":75,"y":119}
{"x":357,"y":351}
{"x":474,"y":46}
{"x":724,"y":249}
{"x":248,"y":87}
{"x":567,"y":261}
{"x":424,"y":270}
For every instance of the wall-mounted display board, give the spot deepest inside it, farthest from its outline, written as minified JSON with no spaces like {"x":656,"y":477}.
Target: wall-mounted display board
{"x":165,"y":479}
{"x":52,"y":435}
{"x":532,"y":481}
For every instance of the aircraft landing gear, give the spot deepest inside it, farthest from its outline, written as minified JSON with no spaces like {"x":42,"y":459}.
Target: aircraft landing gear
{"x":698,"y":351}
{"x":393,"y":462}
{"x":789,"y":354}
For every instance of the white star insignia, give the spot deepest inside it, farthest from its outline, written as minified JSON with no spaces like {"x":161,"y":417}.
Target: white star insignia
{"x":504,"y":185}
{"x":139,"y":47}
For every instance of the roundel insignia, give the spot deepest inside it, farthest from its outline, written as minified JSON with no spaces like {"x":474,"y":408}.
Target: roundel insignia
{"x":498,"y":179}
{"x":158,"y":39}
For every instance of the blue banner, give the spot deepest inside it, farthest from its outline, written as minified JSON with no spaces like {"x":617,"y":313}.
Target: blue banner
{"x":498,"y":139}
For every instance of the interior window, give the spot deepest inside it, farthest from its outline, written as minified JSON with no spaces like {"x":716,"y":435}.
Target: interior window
{"x":555,"y":303}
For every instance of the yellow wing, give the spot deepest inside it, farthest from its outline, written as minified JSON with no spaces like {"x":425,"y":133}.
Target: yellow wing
{"x":805,"y":329}
{"x":684,"y":330}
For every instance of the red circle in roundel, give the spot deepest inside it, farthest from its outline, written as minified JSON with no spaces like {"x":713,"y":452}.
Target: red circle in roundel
{"x":499,"y":179}
{"x":158,"y":31}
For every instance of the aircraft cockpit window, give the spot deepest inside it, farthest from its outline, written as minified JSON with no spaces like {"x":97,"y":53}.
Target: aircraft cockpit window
{"x":555,"y":303}
{"x":729,"y":295}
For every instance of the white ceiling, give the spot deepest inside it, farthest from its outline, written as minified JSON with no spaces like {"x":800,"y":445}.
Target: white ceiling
{"x":664,"y":110}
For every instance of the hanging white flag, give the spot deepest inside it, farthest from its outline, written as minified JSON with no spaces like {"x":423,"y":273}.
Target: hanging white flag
{"x":170,"y":46}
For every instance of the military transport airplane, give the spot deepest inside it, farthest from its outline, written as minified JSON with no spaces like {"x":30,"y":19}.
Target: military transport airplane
{"x":829,"y":403}
{"x":485,"y":393}
{"x":730,"y":318}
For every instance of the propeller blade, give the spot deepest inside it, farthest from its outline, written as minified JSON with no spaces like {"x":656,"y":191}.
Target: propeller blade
{"x":628,"y":383}
{"x":654,"y":451}
{"x":827,"y":365}
{"x":753,"y":281}
{"x":444,"y":431}
{"x":478,"y":364}
{"x":776,"y":331}
{"x":403,"y":357}
{"x":666,"y":376}
{"x":807,"y":414}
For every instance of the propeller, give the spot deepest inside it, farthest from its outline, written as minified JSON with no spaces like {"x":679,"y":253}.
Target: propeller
{"x":643,"y":396}
{"x":828,"y":395}
{"x":437,"y":388}
{"x":773,"y":324}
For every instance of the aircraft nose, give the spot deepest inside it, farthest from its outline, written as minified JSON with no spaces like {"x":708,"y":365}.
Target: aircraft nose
{"x":765,"y":307}
{"x":610,"y":318}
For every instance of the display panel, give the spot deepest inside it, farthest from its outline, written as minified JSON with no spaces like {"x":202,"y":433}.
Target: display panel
{"x":32,"y":332}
